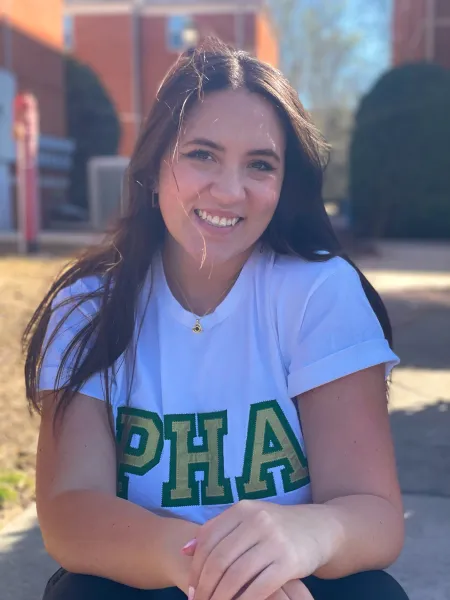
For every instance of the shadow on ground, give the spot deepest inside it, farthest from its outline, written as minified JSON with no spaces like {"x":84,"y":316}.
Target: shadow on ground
{"x":405,"y":256}
{"x":421,"y":327}
{"x":422,"y":446}
{"x":25,"y":566}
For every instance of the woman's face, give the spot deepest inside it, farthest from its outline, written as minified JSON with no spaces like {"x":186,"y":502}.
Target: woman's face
{"x":219,"y":190}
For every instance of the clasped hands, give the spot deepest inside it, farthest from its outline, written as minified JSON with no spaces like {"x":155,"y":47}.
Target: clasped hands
{"x":253,"y":551}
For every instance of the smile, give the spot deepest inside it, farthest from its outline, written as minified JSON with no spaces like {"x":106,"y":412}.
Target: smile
{"x":217,"y":221}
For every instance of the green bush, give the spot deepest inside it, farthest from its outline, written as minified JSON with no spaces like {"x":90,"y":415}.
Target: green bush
{"x":399,"y":156}
{"x":92,"y":123}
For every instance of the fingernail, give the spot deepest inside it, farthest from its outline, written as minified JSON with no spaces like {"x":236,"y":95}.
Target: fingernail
{"x":189,"y":545}
{"x":191,"y":593}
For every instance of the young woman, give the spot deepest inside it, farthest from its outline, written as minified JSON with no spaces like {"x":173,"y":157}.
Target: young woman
{"x":212,"y":378}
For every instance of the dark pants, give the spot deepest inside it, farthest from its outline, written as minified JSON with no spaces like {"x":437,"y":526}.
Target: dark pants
{"x":370,"y":585}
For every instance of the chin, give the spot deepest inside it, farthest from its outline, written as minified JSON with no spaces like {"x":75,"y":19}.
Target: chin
{"x":212,"y":254}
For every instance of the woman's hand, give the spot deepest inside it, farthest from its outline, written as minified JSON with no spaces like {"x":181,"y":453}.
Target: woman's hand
{"x":252,"y":550}
{"x":292,"y":590}
{"x":178,"y":564}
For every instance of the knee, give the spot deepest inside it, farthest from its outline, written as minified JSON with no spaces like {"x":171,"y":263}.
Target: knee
{"x":369,"y":585}
{"x":70,"y":586}
{"x":374,"y":585}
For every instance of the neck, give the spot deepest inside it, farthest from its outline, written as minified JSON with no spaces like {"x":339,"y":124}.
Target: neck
{"x":203,"y":287}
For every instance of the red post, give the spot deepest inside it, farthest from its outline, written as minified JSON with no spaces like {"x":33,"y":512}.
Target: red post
{"x":26,"y":129}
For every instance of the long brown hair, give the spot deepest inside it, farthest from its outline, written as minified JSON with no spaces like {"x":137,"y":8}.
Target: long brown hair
{"x":300,"y":224}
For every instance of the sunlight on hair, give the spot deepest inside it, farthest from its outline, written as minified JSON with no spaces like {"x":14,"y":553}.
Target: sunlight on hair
{"x":196,"y":227}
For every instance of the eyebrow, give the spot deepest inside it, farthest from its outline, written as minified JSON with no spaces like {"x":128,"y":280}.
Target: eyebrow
{"x":268,"y":152}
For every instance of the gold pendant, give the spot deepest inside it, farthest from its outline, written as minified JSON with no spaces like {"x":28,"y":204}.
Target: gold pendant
{"x":197,"y":327}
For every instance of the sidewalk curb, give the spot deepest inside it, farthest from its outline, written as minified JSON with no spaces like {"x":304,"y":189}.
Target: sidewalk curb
{"x":25,"y":566}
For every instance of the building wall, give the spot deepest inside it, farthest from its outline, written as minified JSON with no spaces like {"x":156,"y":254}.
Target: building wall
{"x":104,"y":43}
{"x":442,"y":33}
{"x":409,"y":35}
{"x":443,"y":9}
{"x":156,"y":59}
{"x":113,"y":62}
{"x":421,"y":31}
{"x":31,"y":45}
{"x":40,"y":19}
{"x":235,"y":29}
{"x":38,"y":69}
{"x":31,"y":49}
{"x":266,"y":43}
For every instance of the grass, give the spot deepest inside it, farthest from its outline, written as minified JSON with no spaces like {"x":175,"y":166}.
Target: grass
{"x":23,"y":283}
{"x":13,"y":484}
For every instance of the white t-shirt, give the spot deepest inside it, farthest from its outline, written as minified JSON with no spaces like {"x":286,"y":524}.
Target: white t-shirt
{"x":211,"y":417}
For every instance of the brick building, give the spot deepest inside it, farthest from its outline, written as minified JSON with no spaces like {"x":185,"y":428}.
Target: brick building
{"x":130,"y":44}
{"x":421,"y":31}
{"x":31,"y":60}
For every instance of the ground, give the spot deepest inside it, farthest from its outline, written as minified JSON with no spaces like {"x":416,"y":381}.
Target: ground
{"x":22,"y":285}
{"x":414,"y":281}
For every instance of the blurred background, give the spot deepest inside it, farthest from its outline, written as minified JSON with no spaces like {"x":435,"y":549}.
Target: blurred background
{"x":77,"y":78}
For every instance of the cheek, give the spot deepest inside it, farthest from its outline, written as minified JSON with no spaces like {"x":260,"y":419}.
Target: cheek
{"x":186,"y":179}
{"x":266,"y":195}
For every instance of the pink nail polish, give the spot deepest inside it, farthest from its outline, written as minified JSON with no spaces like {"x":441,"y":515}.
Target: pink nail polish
{"x":191,"y":593}
{"x":189,"y":545}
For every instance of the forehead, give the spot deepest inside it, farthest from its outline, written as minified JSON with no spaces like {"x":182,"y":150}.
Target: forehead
{"x":227,"y":117}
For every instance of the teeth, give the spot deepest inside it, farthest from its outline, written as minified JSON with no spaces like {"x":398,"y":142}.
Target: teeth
{"x":217,"y":221}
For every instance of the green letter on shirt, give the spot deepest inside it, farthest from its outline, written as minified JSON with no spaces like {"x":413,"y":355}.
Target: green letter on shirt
{"x":270,"y":443}
{"x":137,"y":459}
{"x":186,"y":459}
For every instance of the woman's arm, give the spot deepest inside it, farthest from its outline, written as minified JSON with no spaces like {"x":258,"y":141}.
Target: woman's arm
{"x":85,"y":527}
{"x":352,"y":467}
{"x":355,"y":522}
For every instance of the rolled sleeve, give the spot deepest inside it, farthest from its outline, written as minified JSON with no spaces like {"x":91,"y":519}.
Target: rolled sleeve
{"x":339,"y":334}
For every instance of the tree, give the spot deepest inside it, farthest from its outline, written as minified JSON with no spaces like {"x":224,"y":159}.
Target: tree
{"x":331,"y":52}
{"x":326,"y":47}
{"x":92,"y":123}
{"x":399,"y":174}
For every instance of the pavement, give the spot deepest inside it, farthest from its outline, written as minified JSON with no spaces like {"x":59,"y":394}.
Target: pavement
{"x":414,"y":281}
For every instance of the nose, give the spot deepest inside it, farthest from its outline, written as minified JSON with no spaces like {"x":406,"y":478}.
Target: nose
{"x":228,"y":186}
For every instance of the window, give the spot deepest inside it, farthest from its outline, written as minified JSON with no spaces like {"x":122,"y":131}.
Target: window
{"x":68,"y":32}
{"x":181,"y":33}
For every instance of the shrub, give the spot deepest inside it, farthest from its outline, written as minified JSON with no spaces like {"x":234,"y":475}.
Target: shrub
{"x":399,"y":156}
{"x":92,"y":123}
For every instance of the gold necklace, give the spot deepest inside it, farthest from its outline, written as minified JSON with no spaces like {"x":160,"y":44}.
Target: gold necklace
{"x":197,"y":328}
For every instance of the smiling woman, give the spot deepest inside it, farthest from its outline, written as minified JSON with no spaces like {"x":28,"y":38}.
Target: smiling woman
{"x":218,"y":311}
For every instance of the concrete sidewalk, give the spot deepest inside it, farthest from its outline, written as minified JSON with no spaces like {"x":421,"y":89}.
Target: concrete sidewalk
{"x":423,"y":568}
{"x":24,"y":564}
